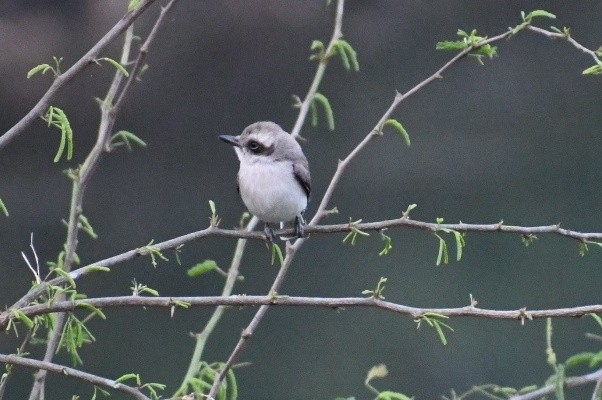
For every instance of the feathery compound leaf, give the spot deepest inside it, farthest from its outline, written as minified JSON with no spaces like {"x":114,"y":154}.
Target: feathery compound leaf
{"x":578,"y":359}
{"x":20,"y":315}
{"x":442,"y":255}
{"x":460,"y":243}
{"x":3,"y":208}
{"x":276,"y":252}
{"x":318,"y":47}
{"x":201,"y":268}
{"x":66,"y":275}
{"x":388,"y":395}
{"x":38,"y":68}
{"x":539,"y":13}
{"x":451,"y":45}
{"x":116,"y":65}
{"x":593,"y":70}
{"x":348,"y":55}
{"x":126,"y":138}
{"x":399,"y":128}
{"x":320,"y":98}
{"x":57,"y":118}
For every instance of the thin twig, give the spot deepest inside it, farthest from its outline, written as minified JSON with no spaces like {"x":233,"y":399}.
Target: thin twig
{"x":63,"y":370}
{"x":521,"y":314}
{"x":568,"y":382}
{"x":64,"y":78}
{"x":76,"y":274}
{"x":568,"y":38}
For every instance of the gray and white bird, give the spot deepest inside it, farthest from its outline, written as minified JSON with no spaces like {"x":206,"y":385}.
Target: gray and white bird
{"x":273,"y":179}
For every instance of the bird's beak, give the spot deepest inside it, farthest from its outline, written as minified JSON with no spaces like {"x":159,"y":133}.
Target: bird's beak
{"x":232,"y":140}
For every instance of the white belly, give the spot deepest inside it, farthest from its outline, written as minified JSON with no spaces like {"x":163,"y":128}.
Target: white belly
{"x":270,"y":191}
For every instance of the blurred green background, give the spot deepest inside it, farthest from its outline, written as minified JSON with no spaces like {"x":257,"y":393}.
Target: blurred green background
{"x":517,"y":139}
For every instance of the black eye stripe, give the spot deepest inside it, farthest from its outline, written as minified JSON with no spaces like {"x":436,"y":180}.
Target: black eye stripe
{"x":255,"y":147}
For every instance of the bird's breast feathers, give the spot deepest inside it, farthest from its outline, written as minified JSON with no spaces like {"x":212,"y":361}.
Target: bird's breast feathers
{"x":271,"y":191}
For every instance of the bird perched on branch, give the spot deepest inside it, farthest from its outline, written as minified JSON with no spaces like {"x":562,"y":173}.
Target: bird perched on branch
{"x":273,"y":179}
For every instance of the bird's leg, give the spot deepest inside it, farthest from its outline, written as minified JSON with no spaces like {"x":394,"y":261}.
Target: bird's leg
{"x":269,"y":233}
{"x":299,"y":222}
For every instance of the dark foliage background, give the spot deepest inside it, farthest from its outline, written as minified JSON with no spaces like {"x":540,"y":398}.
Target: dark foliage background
{"x":517,"y":139}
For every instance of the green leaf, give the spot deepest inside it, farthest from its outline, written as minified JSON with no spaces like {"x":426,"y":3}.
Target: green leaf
{"x":20,"y":315}
{"x":3,"y":208}
{"x":127,"y":138}
{"x":399,"y":127}
{"x":66,"y":275}
{"x":593,"y":70}
{"x":320,"y":98}
{"x":94,"y":310}
{"x":318,"y":47}
{"x":388,"y":246}
{"x":579,"y":359}
{"x":348,"y":55}
{"x":276,"y":252}
{"x":201,"y":268}
{"x":442,"y":255}
{"x":460,"y":243}
{"x":38,"y":68}
{"x":539,"y":13}
{"x":116,"y":65}
{"x":451,"y":45}
{"x":57,"y":118}
{"x":98,"y":268}
{"x":128,"y":377}
{"x":387,"y":395}
{"x":134,"y":4}
{"x":84,"y":224}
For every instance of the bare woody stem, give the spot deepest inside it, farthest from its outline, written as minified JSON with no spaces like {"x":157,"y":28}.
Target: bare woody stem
{"x":593,"y":377}
{"x":75,"y":373}
{"x":314,"y":229}
{"x":568,"y":38}
{"x":335,"y":303}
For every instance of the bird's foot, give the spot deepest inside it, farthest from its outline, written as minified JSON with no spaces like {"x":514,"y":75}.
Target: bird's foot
{"x":299,"y":224}
{"x":269,"y":233}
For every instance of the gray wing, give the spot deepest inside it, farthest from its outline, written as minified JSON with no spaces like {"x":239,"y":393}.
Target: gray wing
{"x":301,"y":172}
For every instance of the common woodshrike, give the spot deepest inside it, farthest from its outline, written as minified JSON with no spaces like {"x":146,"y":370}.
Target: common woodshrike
{"x":273,"y":179}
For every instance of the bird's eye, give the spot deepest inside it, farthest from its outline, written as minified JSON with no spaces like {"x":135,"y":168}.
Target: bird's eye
{"x":255,"y":147}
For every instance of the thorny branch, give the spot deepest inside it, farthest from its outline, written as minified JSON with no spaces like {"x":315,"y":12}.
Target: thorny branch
{"x":75,"y":373}
{"x":521,"y":314}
